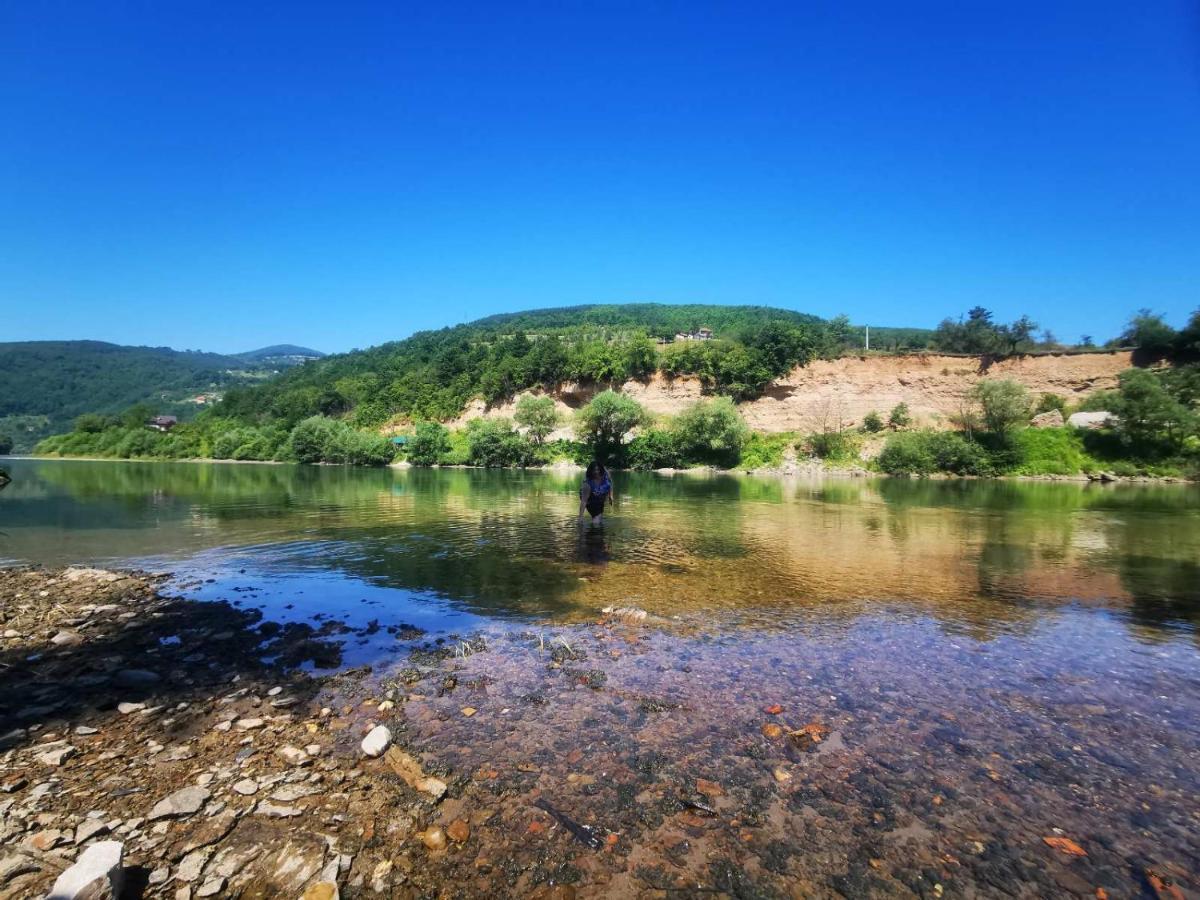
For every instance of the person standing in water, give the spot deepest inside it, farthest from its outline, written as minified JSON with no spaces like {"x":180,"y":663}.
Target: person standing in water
{"x":596,"y":490}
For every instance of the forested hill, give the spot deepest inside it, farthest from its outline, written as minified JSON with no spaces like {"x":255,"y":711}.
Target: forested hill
{"x":44,"y":385}
{"x":433,"y":374}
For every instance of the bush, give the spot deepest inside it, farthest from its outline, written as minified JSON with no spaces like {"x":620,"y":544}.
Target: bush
{"x":653,"y":450}
{"x":710,"y":431}
{"x":926,"y":452}
{"x":309,"y":440}
{"x":833,"y":446}
{"x":1052,"y":451}
{"x":1149,"y":417}
{"x":537,"y":416}
{"x":604,"y":424}
{"x":765,"y":451}
{"x":1003,"y":404}
{"x":429,"y":443}
{"x":1048,"y":402}
{"x":321,"y":439}
{"x":872,"y":423}
{"x":493,"y":443}
{"x":899,"y":417}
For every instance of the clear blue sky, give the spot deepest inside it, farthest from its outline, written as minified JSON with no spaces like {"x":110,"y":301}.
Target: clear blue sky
{"x":227,"y":175}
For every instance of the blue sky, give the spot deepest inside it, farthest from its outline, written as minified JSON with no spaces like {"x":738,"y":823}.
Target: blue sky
{"x":227,"y":175}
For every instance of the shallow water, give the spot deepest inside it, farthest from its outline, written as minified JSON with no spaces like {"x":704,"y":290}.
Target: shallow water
{"x":994,"y":660}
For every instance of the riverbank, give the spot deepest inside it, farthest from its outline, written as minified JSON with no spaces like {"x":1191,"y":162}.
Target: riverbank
{"x":630,"y":757}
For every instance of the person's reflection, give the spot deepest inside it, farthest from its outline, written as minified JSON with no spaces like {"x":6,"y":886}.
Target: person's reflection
{"x":592,"y":546}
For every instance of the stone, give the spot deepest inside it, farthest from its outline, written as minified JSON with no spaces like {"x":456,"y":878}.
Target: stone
{"x":377,"y":741}
{"x":159,"y":875}
{"x":127,"y":709}
{"x":89,"y":828}
{"x":211,"y":887}
{"x":1052,"y":418}
{"x":181,"y":803}
{"x":266,"y":808}
{"x":98,"y":869}
{"x":290,"y":793}
{"x":56,"y":754}
{"x":67,"y":638}
{"x":193,"y":864}
{"x":458,"y":831}
{"x":293,"y":755}
{"x":247,"y":787}
{"x":434,"y":838}
{"x":410,"y":770}
{"x":1090,"y":420}
{"x":469,"y":711}
{"x":86,"y":730}
{"x":782,"y":775}
{"x":249,"y":724}
{"x":46,"y":840}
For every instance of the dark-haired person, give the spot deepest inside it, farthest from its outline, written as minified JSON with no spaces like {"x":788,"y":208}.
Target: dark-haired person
{"x":595,"y":491}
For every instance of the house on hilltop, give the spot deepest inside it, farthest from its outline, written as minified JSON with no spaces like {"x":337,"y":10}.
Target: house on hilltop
{"x":700,"y":334}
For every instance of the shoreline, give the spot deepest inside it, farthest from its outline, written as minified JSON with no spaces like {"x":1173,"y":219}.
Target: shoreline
{"x":623,"y":757}
{"x":811,"y":471}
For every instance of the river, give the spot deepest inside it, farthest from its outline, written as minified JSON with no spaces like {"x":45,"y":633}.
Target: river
{"x":989,"y":663}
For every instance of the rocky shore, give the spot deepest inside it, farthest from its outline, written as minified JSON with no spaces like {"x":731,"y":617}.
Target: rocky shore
{"x":154,"y":746}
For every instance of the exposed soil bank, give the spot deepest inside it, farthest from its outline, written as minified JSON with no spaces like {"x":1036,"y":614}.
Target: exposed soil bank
{"x":630,"y":758}
{"x":828,"y":393}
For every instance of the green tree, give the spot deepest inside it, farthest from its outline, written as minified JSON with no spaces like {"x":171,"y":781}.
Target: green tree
{"x":537,"y":416}
{"x":429,"y":443}
{"x":6,"y":444}
{"x":1149,"y":333}
{"x":91,"y":423}
{"x":1187,"y":342}
{"x":899,"y":417}
{"x":710,"y":431}
{"x":1147,"y":413}
{"x":310,"y":441}
{"x":872,"y":423}
{"x":1003,"y":404}
{"x":494,"y":444}
{"x":605,"y":423}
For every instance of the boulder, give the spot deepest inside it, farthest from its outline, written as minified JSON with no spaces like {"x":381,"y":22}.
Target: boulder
{"x":377,"y":741}
{"x":1052,"y":418}
{"x":97,"y":874}
{"x":1091,"y":420}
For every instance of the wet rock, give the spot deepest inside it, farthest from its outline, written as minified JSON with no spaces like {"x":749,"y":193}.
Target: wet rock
{"x":181,"y":803}
{"x":772,"y":731}
{"x":98,"y":873}
{"x":458,"y":831}
{"x":321,"y":890}
{"x":377,"y":741}
{"x":434,"y":838}
{"x":413,"y":774}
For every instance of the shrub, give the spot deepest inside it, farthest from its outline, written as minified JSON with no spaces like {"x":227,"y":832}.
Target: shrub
{"x":321,"y":439}
{"x":653,"y":450}
{"x":309,"y":440}
{"x":872,"y":423}
{"x":926,"y":452}
{"x":834,"y":446}
{"x":493,"y":443}
{"x":765,"y":451}
{"x":710,"y":431}
{"x":605,"y":423}
{"x":1147,"y":413}
{"x":899,"y":417}
{"x":1003,"y":404}
{"x":537,"y":416}
{"x":429,"y":443}
{"x":1052,"y":451}
{"x":1048,"y":402}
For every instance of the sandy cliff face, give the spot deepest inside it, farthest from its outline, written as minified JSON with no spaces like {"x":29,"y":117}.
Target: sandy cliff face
{"x":828,"y":392}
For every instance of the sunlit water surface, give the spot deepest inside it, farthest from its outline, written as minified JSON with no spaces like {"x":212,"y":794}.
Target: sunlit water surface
{"x":996,"y":660}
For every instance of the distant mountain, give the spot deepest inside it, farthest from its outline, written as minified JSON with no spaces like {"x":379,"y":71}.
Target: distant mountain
{"x":46,"y":384}
{"x":276,"y":354}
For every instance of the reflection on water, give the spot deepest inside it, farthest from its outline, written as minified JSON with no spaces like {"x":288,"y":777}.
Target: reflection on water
{"x":997,"y":662}
{"x":988,"y":556}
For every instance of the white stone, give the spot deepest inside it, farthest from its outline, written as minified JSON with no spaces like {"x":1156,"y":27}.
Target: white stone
{"x":246,"y":787}
{"x":181,"y":803}
{"x":294,"y":755}
{"x":249,"y":724}
{"x":98,"y":863}
{"x":277,"y":812}
{"x":56,"y":755}
{"x":377,"y":741}
{"x":126,"y":709}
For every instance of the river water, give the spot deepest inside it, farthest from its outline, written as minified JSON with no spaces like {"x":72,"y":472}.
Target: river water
{"x":987,"y":664}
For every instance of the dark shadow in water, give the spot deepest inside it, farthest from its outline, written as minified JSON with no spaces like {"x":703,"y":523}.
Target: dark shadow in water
{"x":1166,"y":592}
{"x":592,"y":547}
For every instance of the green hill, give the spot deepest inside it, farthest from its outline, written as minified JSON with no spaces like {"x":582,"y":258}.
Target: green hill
{"x":433,"y":374}
{"x":44,"y":385}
